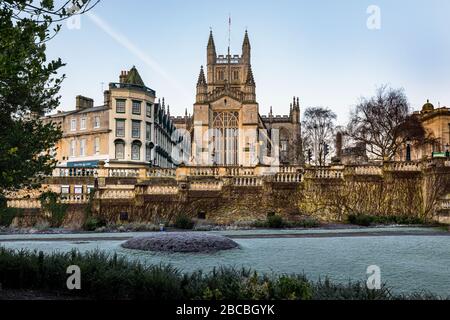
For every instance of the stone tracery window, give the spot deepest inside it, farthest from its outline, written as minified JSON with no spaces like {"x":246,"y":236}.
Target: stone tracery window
{"x":225,"y":138}
{"x":284,"y":145}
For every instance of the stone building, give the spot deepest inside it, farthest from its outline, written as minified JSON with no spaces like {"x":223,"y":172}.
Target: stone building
{"x":226,"y":126}
{"x":436,"y":122}
{"x":128,"y":130}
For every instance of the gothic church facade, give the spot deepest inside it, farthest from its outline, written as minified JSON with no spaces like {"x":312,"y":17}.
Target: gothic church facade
{"x":226,"y":127}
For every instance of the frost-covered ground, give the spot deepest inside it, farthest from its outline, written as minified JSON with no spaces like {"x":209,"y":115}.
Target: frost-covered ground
{"x":410,"y":259}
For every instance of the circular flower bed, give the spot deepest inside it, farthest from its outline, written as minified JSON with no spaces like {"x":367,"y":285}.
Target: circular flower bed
{"x":181,"y":242}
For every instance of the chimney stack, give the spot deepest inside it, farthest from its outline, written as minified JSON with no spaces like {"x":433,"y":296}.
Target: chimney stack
{"x":123,"y":76}
{"x":106,"y":97}
{"x":83,"y":102}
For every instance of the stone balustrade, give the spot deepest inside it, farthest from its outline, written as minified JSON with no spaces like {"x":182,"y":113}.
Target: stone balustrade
{"x":203,"y":171}
{"x":161,"y":173}
{"x":74,"y":198}
{"x":123,"y":172}
{"x":282,"y":174}
{"x":235,"y":171}
{"x":404,"y":166}
{"x":206,"y":186}
{"x":117,"y":194}
{"x":290,"y":169}
{"x":288,"y":178}
{"x":24,"y":203}
{"x":445,"y":205}
{"x":248,"y":181}
{"x":33,"y":203}
{"x":162,"y":190}
{"x":75,"y":172}
{"x":238,"y":171}
{"x":368,"y":170}
{"x":324,"y":173}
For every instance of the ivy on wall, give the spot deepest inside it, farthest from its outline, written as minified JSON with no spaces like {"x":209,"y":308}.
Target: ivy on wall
{"x":50,"y":205}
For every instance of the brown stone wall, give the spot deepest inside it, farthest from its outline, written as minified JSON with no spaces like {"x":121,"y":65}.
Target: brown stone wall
{"x":232,"y":204}
{"x":326,"y":194}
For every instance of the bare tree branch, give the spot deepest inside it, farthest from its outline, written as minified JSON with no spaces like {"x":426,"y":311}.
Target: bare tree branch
{"x":384,"y":123}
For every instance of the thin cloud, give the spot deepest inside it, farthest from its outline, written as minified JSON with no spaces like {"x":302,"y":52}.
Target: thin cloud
{"x":126,"y":43}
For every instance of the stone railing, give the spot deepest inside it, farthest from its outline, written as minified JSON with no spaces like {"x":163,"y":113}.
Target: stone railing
{"x":203,"y":171}
{"x":117,"y":194}
{"x":238,"y":171}
{"x":368,"y":170}
{"x":74,"y":198}
{"x":161,"y":173}
{"x":248,"y":181}
{"x":404,"y":166}
{"x":24,"y":203}
{"x":445,"y":204}
{"x":75,"y":172}
{"x":335,"y":172}
{"x":206,"y":186}
{"x":288,"y":177}
{"x":123,"y":172}
{"x":290,"y":169}
{"x":324,"y":173}
{"x":162,"y":190}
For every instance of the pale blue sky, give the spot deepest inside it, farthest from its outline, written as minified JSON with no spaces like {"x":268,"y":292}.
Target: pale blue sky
{"x":321,"y":51}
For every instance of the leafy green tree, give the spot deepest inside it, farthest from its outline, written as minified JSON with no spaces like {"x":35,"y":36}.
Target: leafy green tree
{"x":29,"y":86}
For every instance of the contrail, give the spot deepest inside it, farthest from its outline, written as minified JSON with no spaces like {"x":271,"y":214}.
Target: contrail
{"x":125,"y":42}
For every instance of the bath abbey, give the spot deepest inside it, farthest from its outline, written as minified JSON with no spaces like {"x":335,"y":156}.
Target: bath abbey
{"x":226,"y":126}
{"x":129,"y":160}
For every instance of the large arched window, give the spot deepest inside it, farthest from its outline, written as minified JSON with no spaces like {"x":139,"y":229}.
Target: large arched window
{"x":225,"y":138}
{"x":136,"y":150}
{"x":120,"y":149}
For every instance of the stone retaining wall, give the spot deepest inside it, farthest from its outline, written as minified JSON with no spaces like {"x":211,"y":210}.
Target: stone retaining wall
{"x":228,"y":195}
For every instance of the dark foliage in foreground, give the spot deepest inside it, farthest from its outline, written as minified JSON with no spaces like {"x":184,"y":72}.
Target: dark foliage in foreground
{"x":369,"y":220}
{"x":183,"y":222}
{"x":7,"y":216}
{"x":112,"y":277}
{"x":274,"y":221}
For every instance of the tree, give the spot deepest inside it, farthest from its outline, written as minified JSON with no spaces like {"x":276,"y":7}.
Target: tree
{"x":29,"y":88}
{"x":318,"y":133}
{"x":384,"y":123}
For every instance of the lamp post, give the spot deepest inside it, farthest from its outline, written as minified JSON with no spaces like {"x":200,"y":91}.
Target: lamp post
{"x":213,"y":155}
{"x":151,"y":145}
{"x":408,"y":150}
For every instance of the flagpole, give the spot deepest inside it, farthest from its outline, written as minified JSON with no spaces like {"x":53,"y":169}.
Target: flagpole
{"x":229,"y":48}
